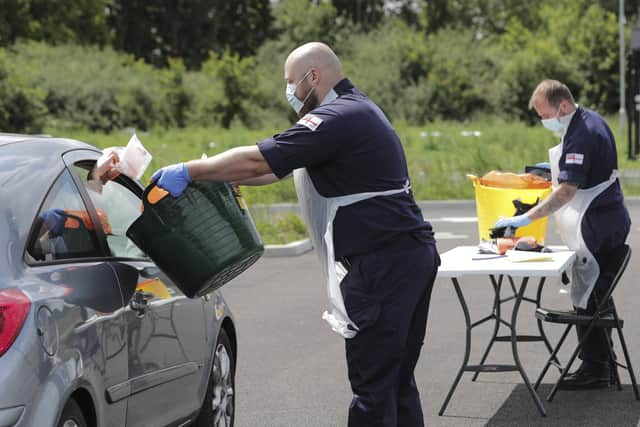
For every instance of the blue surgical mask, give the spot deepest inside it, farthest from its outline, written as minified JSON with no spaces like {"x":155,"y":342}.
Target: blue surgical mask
{"x":553,"y":124}
{"x":290,"y":93}
{"x":556,"y":124}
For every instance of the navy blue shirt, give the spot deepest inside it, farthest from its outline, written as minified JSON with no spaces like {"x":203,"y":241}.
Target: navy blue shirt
{"x":589,"y":156}
{"x":348,"y":146}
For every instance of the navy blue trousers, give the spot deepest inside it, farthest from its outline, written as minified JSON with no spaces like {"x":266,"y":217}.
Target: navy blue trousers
{"x":387,"y":294}
{"x":603,"y":231}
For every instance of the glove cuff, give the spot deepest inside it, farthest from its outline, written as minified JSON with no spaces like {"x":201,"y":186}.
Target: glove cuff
{"x":185,"y":172}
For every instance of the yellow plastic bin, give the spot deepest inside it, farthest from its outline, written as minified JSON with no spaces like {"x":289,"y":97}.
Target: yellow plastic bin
{"x":493,"y":203}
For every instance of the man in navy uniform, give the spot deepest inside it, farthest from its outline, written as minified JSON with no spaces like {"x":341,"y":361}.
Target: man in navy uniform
{"x":377,"y":252}
{"x":589,"y":210}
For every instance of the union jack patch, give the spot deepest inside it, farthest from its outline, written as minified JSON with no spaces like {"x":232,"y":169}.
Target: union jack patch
{"x":310,"y":121}
{"x":574,"y":158}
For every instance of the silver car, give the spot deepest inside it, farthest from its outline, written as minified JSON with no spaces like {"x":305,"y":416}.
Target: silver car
{"x":91,"y":332}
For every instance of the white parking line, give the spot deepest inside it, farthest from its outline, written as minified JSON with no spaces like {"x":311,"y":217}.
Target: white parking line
{"x":455,"y":219}
{"x":445,"y":235}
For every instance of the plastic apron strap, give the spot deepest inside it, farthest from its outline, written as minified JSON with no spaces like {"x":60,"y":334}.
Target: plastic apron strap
{"x":313,"y":208}
{"x":337,"y":316}
{"x":569,"y":222}
{"x":319,"y":213}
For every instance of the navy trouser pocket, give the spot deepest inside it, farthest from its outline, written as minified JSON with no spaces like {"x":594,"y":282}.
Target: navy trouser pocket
{"x":363,"y":308}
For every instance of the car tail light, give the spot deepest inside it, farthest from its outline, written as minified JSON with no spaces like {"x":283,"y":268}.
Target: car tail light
{"x":14,"y":306}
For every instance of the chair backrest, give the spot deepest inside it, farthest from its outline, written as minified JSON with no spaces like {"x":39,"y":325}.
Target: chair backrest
{"x":617,"y":262}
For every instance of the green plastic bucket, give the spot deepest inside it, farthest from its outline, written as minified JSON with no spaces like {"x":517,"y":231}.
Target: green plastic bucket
{"x":202,"y":239}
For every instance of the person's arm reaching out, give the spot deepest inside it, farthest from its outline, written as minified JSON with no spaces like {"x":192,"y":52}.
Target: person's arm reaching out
{"x":234,"y":165}
{"x":558,"y":198}
{"x":267,"y":179}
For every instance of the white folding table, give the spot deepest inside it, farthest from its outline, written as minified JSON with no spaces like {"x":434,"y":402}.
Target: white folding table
{"x":466,"y":261}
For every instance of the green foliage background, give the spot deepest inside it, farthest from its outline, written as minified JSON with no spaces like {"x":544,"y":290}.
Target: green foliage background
{"x":421,"y":61}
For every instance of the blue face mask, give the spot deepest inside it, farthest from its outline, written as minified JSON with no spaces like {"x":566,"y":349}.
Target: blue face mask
{"x":290,"y":93}
{"x":556,"y":124}
{"x":553,"y":124}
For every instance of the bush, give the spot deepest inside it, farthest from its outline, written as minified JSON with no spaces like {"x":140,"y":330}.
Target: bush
{"x":21,"y":106}
{"x":576,"y":44}
{"x":454,"y":73}
{"x":237,"y":78}
{"x":101,"y":89}
{"x":455,"y":78}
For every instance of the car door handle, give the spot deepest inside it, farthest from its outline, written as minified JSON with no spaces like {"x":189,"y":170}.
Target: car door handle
{"x":140,"y":302}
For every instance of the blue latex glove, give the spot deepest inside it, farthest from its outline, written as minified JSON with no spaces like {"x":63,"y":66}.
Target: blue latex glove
{"x":515,"y":221}
{"x":543,"y":165}
{"x":173,"y":178}
{"x":54,"y":220}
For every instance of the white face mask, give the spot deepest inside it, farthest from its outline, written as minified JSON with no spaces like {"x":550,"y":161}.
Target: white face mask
{"x":557,"y":124}
{"x":290,"y":93}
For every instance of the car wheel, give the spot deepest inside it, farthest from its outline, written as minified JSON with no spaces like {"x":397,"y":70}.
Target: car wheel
{"x":218,"y":409}
{"x":72,"y":415}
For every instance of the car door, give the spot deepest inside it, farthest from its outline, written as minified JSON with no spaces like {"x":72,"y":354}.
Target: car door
{"x":77,"y":299}
{"x":166,"y":330}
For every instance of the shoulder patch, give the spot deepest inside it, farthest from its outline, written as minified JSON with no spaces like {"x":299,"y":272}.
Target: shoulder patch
{"x":310,"y":121}
{"x":574,"y":159}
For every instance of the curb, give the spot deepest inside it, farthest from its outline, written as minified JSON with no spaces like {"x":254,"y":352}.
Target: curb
{"x":298,"y":247}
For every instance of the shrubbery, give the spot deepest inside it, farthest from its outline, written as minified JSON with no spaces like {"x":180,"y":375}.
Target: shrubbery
{"x":415,"y":73}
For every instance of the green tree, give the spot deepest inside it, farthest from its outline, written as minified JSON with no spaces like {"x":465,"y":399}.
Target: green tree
{"x":576,"y":42}
{"x":587,"y":36}
{"x":157,"y":30}
{"x":485,"y":17}
{"x":54,"y":21}
{"x":21,"y":106}
{"x":300,"y":21}
{"x":368,"y":14}
{"x":179,"y":100}
{"x":238,"y":82}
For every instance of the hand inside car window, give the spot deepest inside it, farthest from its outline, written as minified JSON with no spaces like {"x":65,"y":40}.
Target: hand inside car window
{"x":63,"y":229}
{"x":103,"y":171}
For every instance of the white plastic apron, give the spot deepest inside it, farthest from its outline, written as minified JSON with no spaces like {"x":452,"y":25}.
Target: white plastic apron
{"x":318,"y":213}
{"x":569,"y":220}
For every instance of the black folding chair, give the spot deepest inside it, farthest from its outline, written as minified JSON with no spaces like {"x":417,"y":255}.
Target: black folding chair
{"x":606,"y":316}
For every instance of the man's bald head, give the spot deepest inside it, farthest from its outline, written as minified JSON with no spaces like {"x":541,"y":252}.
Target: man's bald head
{"x":315,"y":69}
{"x":314,"y":54}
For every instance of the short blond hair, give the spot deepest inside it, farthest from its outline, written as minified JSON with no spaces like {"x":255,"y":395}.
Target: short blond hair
{"x":553,"y":91}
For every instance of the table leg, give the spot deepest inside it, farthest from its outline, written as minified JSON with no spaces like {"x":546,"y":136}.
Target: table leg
{"x":540,"y":327}
{"x":467,"y":345}
{"x":514,"y":347}
{"x":496,"y":313}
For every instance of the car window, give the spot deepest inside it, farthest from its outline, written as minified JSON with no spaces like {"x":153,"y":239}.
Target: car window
{"x":117,"y":207}
{"x":63,"y":227}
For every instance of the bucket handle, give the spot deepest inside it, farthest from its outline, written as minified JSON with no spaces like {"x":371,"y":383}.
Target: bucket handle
{"x":151,"y":196}
{"x":155,"y":194}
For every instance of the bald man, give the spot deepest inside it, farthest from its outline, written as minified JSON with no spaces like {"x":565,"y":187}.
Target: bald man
{"x":377,"y":252}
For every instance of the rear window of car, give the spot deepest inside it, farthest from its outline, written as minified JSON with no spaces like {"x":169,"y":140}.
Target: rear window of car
{"x":63,"y":228}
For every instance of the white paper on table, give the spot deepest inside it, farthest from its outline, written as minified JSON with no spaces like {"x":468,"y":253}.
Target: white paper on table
{"x":527,"y":256}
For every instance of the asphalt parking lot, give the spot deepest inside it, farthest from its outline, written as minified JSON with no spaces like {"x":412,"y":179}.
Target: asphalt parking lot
{"x":291,"y":368}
